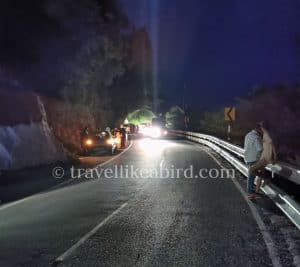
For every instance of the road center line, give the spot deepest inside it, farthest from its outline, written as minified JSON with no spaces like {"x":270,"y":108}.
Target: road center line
{"x":261,"y":225}
{"x":82,"y":240}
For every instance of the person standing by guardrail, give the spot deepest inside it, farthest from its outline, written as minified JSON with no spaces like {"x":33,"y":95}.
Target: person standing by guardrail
{"x":268,"y":156}
{"x":253,"y":149}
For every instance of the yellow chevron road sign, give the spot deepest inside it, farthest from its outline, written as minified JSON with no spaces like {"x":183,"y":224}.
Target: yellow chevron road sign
{"x":229,"y":113}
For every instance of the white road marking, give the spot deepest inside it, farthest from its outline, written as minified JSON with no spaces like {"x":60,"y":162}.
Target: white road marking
{"x":14,"y":203}
{"x":116,"y":156}
{"x":97,"y":166}
{"x":5,"y":206}
{"x":82,"y":240}
{"x":273,"y":253}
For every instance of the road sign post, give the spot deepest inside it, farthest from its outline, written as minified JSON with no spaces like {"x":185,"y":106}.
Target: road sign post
{"x":229,"y":115}
{"x":229,"y":131}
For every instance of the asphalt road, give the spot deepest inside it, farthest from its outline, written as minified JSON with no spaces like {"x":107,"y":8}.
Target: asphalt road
{"x":162,"y":222}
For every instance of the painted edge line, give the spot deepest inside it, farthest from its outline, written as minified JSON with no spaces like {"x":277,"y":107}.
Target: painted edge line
{"x":14,"y":203}
{"x":261,"y":225}
{"x":97,"y":166}
{"x":83,"y":239}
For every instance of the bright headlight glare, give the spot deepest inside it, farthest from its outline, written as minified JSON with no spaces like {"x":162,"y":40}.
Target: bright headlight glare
{"x":89,"y":142}
{"x":109,"y":141}
{"x":155,"y":132}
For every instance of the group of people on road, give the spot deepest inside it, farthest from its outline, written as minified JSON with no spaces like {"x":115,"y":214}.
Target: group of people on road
{"x":259,"y":152}
{"x":122,"y":135}
{"x":118,"y":134}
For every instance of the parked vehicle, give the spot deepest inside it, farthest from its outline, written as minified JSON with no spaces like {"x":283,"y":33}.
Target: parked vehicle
{"x":103,"y":140}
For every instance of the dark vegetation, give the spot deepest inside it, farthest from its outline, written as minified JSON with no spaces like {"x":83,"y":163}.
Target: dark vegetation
{"x":86,"y":60}
{"x":278,"y":105}
{"x":92,"y":66}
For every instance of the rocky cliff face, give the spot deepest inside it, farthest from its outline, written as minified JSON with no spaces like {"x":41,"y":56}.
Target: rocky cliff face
{"x":25,"y":136}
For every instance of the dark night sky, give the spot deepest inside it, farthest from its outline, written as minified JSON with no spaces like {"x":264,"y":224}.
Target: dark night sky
{"x":220,"y":49}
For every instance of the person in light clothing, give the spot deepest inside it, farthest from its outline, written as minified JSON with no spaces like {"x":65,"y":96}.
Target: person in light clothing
{"x":253,"y":148}
{"x":268,"y":156}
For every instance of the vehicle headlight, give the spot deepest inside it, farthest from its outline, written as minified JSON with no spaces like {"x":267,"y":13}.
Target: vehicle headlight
{"x":109,"y":141}
{"x":156,"y":132}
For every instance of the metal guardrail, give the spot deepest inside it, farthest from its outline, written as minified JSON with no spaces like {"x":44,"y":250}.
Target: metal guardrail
{"x":285,"y":170}
{"x":229,"y":152}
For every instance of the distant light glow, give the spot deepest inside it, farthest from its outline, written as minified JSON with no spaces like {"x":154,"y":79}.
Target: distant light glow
{"x":89,"y":142}
{"x":109,"y":141}
{"x":154,"y":132}
{"x":154,"y":147}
